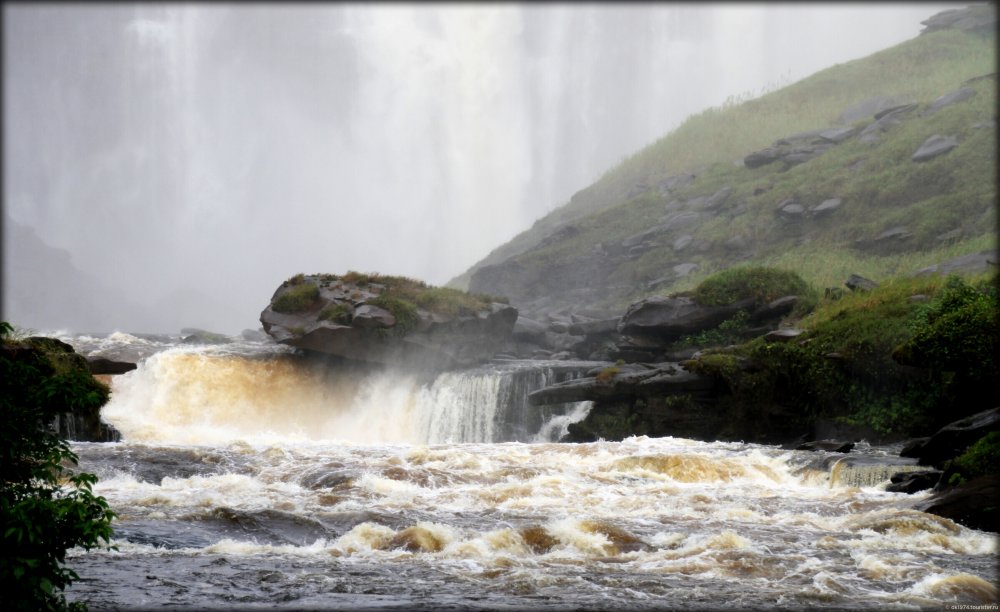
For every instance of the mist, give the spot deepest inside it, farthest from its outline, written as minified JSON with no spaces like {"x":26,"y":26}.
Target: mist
{"x":169,"y":165}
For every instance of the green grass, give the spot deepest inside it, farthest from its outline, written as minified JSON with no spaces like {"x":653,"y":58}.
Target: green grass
{"x":300,"y":297}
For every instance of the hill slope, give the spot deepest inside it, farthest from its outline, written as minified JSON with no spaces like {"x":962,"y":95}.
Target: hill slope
{"x":842,"y":193}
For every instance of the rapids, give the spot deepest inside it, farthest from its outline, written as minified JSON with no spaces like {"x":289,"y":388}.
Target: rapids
{"x":249,"y":479}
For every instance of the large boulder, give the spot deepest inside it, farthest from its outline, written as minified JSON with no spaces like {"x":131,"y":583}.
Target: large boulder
{"x":952,"y":439}
{"x":972,"y":504}
{"x":388,"y":320}
{"x":669,"y":318}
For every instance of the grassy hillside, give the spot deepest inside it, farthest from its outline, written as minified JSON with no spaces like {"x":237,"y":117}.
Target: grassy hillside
{"x":579,"y":254}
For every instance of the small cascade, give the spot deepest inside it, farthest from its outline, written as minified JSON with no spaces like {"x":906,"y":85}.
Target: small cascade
{"x":869,"y":471}
{"x":490,"y":404}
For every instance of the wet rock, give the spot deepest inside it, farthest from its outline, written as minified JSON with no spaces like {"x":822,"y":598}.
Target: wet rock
{"x":681,"y":242}
{"x":972,"y":504}
{"x":684,"y":269}
{"x":103,"y":365}
{"x":529,"y":330}
{"x":200,"y":336}
{"x":428,"y":340}
{"x":669,"y":318}
{"x":953,"y":439}
{"x":675,"y":182}
{"x":894,"y":234}
{"x":254,"y":335}
{"x":911,"y":482}
{"x":933,"y":147}
{"x":774,"y":309}
{"x":629,"y":381}
{"x":832,"y":446}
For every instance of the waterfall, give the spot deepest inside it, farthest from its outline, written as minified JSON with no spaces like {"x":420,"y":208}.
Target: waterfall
{"x":206,"y":395}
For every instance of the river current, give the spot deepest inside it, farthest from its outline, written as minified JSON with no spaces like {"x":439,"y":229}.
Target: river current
{"x":247,"y":478}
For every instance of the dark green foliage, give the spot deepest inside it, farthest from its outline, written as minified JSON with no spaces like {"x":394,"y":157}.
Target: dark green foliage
{"x":847,"y":365}
{"x":296,"y":299}
{"x":729,"y":331}
{"x":981,"y":458}
{"x":957,"y":332}
{"x":760,"y":283}
{"x":404,"y":312}
{"x":46,"y":509}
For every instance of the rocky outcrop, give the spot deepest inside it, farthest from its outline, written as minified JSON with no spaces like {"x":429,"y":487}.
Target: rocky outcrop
{"x":975,"y":18}
{"x":388,"y":320}
{"x":973,"y":504}
{"x":103,"y":365}
{"x":952,"y":439}
{"x":974,"y":263}
{"x":624,"y":382}
{"x":669,"y":318}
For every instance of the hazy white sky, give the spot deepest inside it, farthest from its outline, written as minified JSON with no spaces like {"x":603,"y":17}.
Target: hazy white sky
{"x":196,"y":155}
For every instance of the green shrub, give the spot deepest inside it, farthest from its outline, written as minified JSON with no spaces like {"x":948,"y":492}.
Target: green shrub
{"x":404,"y":312}
{"x":981,"y":458}
{"x":762,"y":284}
{"x":607,"y":374}
{"x":45,"y":508}
{"x":729,"y":331}
{"x":296,"y":299}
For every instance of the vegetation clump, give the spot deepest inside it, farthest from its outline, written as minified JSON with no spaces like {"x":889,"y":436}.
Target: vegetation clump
{"x":337,"y":313}
{"x":846,"y":366}
{"x":46,"y":509}
{"x":763,"y":284}
{"x":298,"y":298}
{"x":404,"y":312}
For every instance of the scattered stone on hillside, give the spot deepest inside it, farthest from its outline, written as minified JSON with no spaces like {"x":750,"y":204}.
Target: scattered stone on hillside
{"x":675,"y":182}
{"x":857,"y":282}
{"x":837,"y":135}
{"x":934,"y":146}
{"x":337,"y":319}
{"x":911,"y":482}
{"x":681,"y":242}
{"x":718,"y":198}
{"x":948,"y":236}
{"x":985,"y":125}
{"x":529,"y":330}
{"x":826,"y":207}
{"x":868,"y":108}
{"x":735,"y":243}
{"x":959,"y":95}
{"x":971,"y":263}
{"x":636,"y":190}
{"x":884,"y":121}
{"x":972,"y":504}
{"x":894,"y":234}
{"x":791,"y":209}
{"x":831,"y":446}
{"x":684,"y":269}
{"x":833,"y":293}
{"x":679,"y":219}
{"x":783,"y":335}
{"x":954,"y":438}
{"x":978,"y":17}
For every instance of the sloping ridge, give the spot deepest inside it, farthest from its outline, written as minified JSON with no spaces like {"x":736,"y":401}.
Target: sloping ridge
{"x":883,"y":165}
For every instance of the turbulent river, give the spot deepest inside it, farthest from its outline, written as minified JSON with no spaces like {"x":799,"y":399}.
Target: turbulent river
{"x":248,"y":479}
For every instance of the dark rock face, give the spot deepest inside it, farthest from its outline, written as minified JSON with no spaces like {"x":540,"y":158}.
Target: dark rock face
{"x":933,"y":147}
{"x":627,"y":381}
{"x":670,"y":318}
{"x":884,"y":121}
{"x":952,"y":439}
{"x":973,"y":504}
{"x":339,"y":321}
{"x":859,"y":283}
{"x":869,"y":108}
{"x":103,"y":365}
{"x":911,"y":482}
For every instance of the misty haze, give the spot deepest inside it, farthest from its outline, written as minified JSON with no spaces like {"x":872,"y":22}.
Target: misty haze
{"x":166,"y":165}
